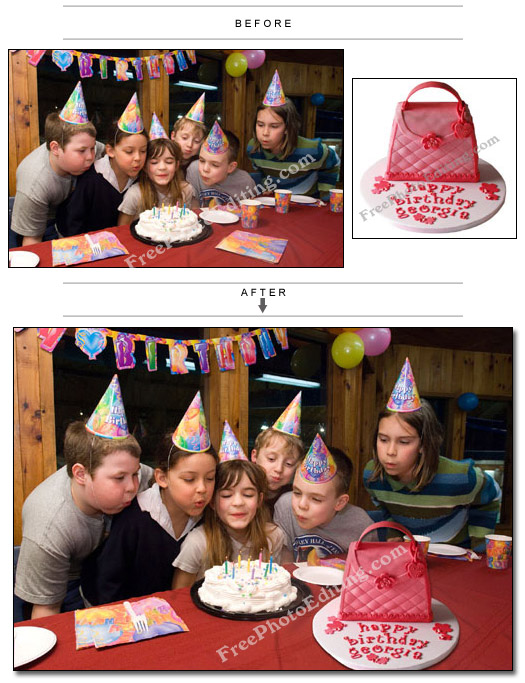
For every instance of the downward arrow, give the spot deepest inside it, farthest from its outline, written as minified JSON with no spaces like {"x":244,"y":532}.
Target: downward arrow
{"x":262,"y":305}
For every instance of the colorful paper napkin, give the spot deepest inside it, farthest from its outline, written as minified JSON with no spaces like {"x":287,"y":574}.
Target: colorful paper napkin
{"x":255,"y":246}
{"x":69,"y":251}
{"x":112,"y":625}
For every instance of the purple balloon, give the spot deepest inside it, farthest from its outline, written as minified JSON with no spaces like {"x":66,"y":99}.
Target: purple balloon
{"x":255,"y":58}
{"x":375,"y":339}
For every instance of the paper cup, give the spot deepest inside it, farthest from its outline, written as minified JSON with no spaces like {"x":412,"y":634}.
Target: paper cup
{"x":336,"y":201}
{"x":250,"y":213}
{"x":499,"y":550}
{"x":422,"y":541}
{"x":282,"y":201}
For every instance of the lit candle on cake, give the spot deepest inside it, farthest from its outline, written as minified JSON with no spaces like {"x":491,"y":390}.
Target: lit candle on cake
{"x":225,"y":565}
{"x":260,"y":558}
{"x":239,"y":558}
{"x":271,"y":562}
{"x":249,"y":563}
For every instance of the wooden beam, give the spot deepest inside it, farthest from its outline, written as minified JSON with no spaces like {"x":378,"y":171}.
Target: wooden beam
{"x":154,"y":96}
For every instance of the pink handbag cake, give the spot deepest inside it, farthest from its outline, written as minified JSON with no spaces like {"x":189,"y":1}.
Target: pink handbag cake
{"x":433,"y":140}
{"x":385,"y":581}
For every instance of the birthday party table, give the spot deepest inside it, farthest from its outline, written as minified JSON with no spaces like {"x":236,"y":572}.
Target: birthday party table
{"x":480,"y":598}
{"x":314,"y":234}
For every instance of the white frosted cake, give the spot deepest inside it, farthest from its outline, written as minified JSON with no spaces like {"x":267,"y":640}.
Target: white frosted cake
{"x":168,"y":224}
{"x":247,"y":590}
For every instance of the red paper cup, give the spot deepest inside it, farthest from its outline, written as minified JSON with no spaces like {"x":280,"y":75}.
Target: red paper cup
{"x":282,"y":201}
{"x":422,"y":541}
{"x":499,"y":550}
{"x":250,"y":213}
{"x":336,"y":201}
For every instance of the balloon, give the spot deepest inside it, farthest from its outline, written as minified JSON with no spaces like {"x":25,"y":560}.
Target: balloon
{"x":306,"y":360}
{"x":348,"y":350}
{"x":317,"y":99}
{"x":255,"y":58}
{"x":375,"y":339}
{"x":468,"y":401}
{"x":236,"y":64}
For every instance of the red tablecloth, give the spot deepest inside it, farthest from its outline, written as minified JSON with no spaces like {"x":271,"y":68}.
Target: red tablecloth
{"x":314,"y":234}
{"x":480,"y":598}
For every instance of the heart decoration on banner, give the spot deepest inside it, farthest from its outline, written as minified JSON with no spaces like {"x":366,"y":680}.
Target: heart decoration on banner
{"x":62,"y":58}
{"x":91,"y":341}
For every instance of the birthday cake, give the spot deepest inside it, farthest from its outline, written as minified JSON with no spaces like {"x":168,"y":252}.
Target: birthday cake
{"x":247,"y":588}
{"x":169,"y":224}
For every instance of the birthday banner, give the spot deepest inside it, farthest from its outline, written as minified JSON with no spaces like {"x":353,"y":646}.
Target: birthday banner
{"x":65,"y":58}
{"x":93,"y":340}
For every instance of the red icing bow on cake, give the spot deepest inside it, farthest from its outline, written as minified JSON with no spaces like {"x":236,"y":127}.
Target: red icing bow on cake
{"x":384,"y":581}
{"x":431,"y":141}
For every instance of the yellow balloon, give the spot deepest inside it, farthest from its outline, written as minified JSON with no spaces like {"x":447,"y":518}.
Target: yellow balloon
{"x":236,"y":64}
{"x":348,"y":350}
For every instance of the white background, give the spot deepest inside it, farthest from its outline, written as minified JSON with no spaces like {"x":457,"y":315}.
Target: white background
{"x":490,"y":270}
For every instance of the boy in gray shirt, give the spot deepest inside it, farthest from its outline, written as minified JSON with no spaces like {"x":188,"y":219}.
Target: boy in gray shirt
{"x":215,"y":177}
{"x":317,"y":515}
{"x":66,"y":516}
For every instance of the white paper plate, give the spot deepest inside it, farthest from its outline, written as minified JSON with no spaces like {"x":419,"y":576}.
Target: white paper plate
{"x":303,"y":199}
{"x":31,"y":642}
{"x":322,"y":576}
{"x":23,"y":259}
{"x":268,"y":201}
{"x":445,"y":549}
{"x":216,"y":216}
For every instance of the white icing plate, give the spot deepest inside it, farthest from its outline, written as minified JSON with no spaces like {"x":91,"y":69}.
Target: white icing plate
{"x":322,"y":576}
{"x":450,"y":210}
{"x":303,"y":199}
{"x":445,"y":549}
{"x":23,"y":259}
{"x":30,"y":643}
{"x":339,"y":648}
{"x":268,"y":201}
{"x":216,"y":216}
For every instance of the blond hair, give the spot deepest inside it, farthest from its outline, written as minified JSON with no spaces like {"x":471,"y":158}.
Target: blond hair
{"x":293,"y":444}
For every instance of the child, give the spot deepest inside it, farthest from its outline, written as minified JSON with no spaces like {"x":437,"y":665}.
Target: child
{"x":278,"y":450}
{"x":235,"y":523}
{"x":189,"y":131}
{"x":137,"y":557}
{"x":99,"y":192}
{"x":160,"y":180}
{"x":46,"y":177}
{"x":64,"y":517}
{"x":282,"y":158}
{"x":316,"y":514}
{"x":452,"y":501}
{"x":215,"y":176}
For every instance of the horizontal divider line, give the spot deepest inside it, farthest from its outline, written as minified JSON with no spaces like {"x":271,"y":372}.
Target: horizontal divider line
{"x":265,"y":284}
{"x":235,"y":316}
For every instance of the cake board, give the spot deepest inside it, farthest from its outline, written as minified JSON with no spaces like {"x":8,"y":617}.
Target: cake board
{"x":432,"y":206}
{"x":372,"y":649}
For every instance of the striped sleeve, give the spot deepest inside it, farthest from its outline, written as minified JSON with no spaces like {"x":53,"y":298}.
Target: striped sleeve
{"x":485,"y":507}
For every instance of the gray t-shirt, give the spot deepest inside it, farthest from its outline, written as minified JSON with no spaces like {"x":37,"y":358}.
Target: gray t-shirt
{"x":192,"y":556}
{"x":57,"y":537}
{"x":330,"y":539}
{"x":39,"y":190}
{"x":235,"y":187}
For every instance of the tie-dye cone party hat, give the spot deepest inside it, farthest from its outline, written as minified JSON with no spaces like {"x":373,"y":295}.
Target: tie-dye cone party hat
{"x":196,"y":113}
{"x":109,"y":418}
{"x":131,"y":120}
{"x":275,"y":94}
{"x":192,"y":433}
{"x":405,"y":396}
{"x":156,"y":130}
{"x":289,"y":421}
{"x":318,"y":466}
{"x":74,"y":110}
{"x":216,"y":142}
{"x":230,"y":448}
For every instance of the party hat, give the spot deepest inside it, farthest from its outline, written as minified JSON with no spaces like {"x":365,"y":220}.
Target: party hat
{"x":131,"y":120}
{"x":156,"y":130}
{"x":216,"y":142}
{"x":405,"y":396}
{"x":275,"y":94}
{"x":318,"y":466}
{"x":192,"y":433}
{"x":74,"y":110}
{"x":109,"y":418}
{"x":230,"y":448}
{"x":290,"y":420}
{"x":196,"y":113}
